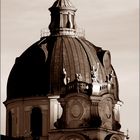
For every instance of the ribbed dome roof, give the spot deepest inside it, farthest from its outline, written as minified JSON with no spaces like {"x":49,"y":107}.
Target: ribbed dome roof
{"x":39,"y":70}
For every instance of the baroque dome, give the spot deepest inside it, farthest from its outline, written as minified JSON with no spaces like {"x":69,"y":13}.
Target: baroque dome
{"x":56,"y":60}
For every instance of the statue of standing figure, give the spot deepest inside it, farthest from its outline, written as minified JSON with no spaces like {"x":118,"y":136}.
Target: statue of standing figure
{"x":66,"y":79}
{"x":110,"y":77}
{"x":94,"y":73}
{"x":110,"y":80}
{"x":78,"y":77}
{"x":95,"y":80}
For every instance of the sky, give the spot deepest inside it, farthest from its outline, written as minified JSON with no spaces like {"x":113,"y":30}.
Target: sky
{"x":110,"y":24}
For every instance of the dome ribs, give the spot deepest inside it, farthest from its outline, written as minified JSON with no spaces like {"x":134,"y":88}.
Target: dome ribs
{"x":66,"y":59}
{"x":55,"y":64}
{"x":71,"y":58}
{"x":75,"y":57}
{"x":90,"y":58}
{"x":94,"y":49}
{"x":83,"y":63}
{"x":60,"y":80}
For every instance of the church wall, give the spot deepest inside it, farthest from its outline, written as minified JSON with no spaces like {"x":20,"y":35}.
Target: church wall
{"x":21,"y":115}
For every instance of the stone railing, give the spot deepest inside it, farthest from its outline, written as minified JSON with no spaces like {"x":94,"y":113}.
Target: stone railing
{"x":79,"y":32}
{"x":77,"y":86}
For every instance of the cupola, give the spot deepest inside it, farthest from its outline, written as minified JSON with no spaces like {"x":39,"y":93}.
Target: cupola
{"x":62,"y":18}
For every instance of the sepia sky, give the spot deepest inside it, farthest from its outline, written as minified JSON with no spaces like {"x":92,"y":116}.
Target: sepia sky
{"x":110,"y":24}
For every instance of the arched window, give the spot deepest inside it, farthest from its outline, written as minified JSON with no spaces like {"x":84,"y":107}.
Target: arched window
{"x":9,"y":123}
{"x":36,"y":122}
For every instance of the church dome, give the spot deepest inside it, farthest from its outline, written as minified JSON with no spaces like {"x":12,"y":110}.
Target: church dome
{"x":39,"y":70}
{"x":56,"y":60}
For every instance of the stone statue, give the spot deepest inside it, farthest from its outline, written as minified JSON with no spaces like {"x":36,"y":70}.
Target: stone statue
{"x":78,"y":77}
{"x":110,"y":80}
{"x":66,"y":79}
{"x":110,"y":77}
{"x":94,"y":73}
{"x":65,"y":76}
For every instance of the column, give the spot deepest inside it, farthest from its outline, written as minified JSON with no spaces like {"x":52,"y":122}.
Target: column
{"x":27,"y":121}
{"x":61,"y":20}
{"x":45,"y":122}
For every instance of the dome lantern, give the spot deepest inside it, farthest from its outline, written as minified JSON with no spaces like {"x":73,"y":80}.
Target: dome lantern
{"x":62,"y":18}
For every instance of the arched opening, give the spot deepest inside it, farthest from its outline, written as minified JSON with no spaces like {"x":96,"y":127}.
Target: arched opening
{"x":9,"y":123}
{"x":36,"y":123}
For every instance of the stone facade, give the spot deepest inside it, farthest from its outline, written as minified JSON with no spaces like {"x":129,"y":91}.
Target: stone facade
{"x":21,"y":110}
